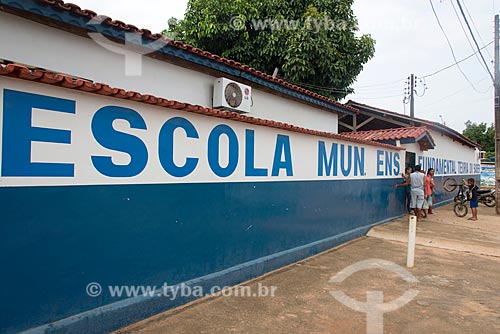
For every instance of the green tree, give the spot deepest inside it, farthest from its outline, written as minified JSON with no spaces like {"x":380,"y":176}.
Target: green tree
{"x":483,"y":134}
{"x":313,"y":43}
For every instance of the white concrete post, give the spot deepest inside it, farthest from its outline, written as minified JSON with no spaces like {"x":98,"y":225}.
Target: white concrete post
{"x":412,"y":234}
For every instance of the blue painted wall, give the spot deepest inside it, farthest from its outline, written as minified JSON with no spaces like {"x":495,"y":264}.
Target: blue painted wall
{"x":56,"y":240}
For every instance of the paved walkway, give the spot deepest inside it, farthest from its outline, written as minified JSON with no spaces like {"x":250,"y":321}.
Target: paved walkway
{"x":457,"y":268}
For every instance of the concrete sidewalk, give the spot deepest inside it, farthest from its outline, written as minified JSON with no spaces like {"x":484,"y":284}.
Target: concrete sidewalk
{"x":457,"y":268}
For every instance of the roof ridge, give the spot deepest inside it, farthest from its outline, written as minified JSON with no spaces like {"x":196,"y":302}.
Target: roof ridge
{"x":60,"y":4}
{"x":389,"y":129}
{"x":389,"y":134}
{"x":69,"y":82}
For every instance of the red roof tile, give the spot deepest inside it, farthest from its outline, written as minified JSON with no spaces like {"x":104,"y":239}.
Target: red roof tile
{"x":189,"y":48}
{"x":388,"y":134}
{"x":66,"y":81}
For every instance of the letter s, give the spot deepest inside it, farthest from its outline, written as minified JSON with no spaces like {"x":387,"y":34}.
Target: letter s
{"x":108,"y":137}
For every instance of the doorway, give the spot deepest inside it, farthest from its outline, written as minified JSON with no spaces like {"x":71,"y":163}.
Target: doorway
{"x":411,"y":159}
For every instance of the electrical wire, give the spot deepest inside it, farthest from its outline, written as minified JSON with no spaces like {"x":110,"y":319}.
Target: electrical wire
{"x":382,"y":84}
{"x":378,"y":98}
{"x":444,"y":98}
{"x":371,"y":88}
{"x":339,"y":90}
{"x":474,"y":39}
{"x":323,"y":88}
{"x":466,"y":35}
{"x":456,"y":63}
{"x":450,"y":46}
{"x":475,"y":27}
{"x":422,"y":81}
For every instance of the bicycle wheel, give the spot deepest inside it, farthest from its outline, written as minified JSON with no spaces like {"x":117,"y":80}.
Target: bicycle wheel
{"x":460,"y":209}
{"x":490,"y":201}
{"x":450,"y":184}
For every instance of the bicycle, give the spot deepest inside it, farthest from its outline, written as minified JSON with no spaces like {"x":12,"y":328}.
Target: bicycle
{"x":461,"y":198}
{"x":485,"y":196}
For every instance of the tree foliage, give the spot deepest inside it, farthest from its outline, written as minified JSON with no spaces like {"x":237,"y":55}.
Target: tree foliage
{"x":313,"y":43}
{"x":483,"y":134}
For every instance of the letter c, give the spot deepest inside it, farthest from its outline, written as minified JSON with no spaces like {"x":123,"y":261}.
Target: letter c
{"x":166,"y":147}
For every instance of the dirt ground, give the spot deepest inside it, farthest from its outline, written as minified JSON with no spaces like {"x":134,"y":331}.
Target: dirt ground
{"x":457,"y":267}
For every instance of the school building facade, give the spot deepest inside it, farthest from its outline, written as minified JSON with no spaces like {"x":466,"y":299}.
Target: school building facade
{"x":118,"y":169}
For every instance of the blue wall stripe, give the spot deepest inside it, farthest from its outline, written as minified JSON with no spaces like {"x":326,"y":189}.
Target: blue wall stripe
{"x":56,"y":240}
{"x":110,"y":317}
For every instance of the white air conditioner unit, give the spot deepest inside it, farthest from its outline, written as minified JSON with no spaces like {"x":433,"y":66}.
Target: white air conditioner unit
{"x":232,"y":95}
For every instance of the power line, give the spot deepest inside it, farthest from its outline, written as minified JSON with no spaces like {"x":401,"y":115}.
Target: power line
{"x":474,"y":38}
{"x":391,"y":83}
{"x":326,"y":88}
{"x":340,"y":90}
{"x":456,"y":63}
{"x":382,"y":84}
{"x":444,"y":98}
{"x":475,"y":27}
{"x":323,"y":88}
{"x":450,"y":46}
{"x":378,"y":98}
{"x":337,"y":90}
{"x":465,"y":33}
{"x":422,"y":82}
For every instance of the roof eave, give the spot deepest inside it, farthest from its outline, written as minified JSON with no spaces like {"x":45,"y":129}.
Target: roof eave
{"x":436,"y":126}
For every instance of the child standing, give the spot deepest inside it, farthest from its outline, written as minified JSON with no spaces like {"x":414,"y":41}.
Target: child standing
{"x":471,"y":183}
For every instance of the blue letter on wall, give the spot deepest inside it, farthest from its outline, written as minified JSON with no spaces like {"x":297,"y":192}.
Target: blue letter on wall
{"x":359,"y":161}
{"x":214,"y":154}
{"x":380,"y":162}
{"x":388,"y":163}
{"x":108,"y":137}
{"x":327,"y":164}
{"x":18,"y":134}
{"x":397,"y":165}
{"x":282,"y":146}
{"x":346,"y":171}
{"x":166,"y":147}
{"x":250,"y":169}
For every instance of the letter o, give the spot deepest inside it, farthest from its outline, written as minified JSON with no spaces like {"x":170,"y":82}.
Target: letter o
{"x":214,"y":153}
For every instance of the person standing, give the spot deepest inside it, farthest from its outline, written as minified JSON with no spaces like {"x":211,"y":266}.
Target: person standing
{"x":429,"y":189}
{"x":406,"y":184}
{"x":417,"y":182}
{"x":471,"y":183}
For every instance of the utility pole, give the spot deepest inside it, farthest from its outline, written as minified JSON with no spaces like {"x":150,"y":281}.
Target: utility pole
{"x":412,"y":98}
{"x":497,"y":112}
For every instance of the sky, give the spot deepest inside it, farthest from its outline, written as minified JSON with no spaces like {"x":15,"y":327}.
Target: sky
{"x":408,"y":40}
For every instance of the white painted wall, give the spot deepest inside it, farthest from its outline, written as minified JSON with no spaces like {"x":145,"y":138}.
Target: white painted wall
{"x":39,"y":45}
{"x":446,"y":148}
{"x":304,"y":149}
